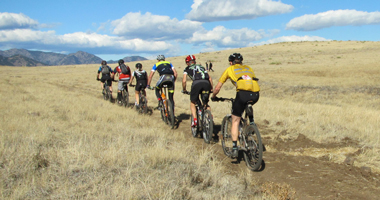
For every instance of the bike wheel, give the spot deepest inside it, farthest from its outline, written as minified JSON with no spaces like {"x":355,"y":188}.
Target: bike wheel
{"x":226,"y":135}
{"x":208,"y":126}
{"x":108,"y":93}
{"x":170,"y":114}
{"x":105,"y":95}
{"x":254,"y":154}
{"x":194,"y":130}
{"x":162,"y":110}
{"x":143,"y":105}
{"x":125,"y":98}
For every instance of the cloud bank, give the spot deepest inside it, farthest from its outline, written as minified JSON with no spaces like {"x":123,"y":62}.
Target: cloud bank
{"x":333,"y":18}
{"x":224,"y":10}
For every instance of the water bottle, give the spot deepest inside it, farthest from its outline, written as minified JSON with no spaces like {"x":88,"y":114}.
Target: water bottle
{"x":199,"y":113}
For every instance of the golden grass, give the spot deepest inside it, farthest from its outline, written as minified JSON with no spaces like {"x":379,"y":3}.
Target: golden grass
{"x":60,"y":139}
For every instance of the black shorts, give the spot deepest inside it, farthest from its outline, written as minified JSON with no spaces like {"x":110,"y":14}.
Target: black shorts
{"x":106,"y":78}
{"x":140,"y":85}
{"x":241,"y":99}
{"x":200,"y":87}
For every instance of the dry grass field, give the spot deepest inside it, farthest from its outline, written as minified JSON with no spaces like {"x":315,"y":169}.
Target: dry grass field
{"x":318,"y":114}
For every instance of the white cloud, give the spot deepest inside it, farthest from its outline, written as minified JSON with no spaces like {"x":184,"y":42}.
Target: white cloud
{"x":156,"y":27}
{"x":222,"y":37}
{"x":223,"y":10}
{"x":16,"y":21}
{"x":81,"y":40}
{"x":293,"y":38}
{"x":333,"y":18}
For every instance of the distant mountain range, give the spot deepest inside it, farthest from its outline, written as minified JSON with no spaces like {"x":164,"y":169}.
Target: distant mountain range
{"x":23,"y":57}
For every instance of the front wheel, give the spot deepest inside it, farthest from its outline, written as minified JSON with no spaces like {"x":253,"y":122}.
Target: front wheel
{"x":254,"y":154}
{"x":226,"y":135}
{"x":208,"y":126}
{"x":170,"y":114}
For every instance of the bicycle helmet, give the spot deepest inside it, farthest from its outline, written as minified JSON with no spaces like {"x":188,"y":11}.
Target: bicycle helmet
{"x":235,"y":56}
{"x":104,"y":62}
{"x":190,"y":58}
{"x":139,"y":65}
{"x":160,"y":57}
{"x":121,"y":61}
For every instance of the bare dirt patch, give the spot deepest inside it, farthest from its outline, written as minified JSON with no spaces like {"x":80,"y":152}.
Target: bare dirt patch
{"x":285,"y":176}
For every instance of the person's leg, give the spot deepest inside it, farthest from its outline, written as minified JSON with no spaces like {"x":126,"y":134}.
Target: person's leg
{"x":137,"y":97}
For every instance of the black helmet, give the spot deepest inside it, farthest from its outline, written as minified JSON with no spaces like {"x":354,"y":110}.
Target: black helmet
{"x":121,"y":61}
{"x":104,"y":62}
{"x":138,"y":65}
{"x":235,"y":56}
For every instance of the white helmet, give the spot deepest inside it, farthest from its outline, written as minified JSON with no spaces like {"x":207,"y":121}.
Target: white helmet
{"x":160,"y":57}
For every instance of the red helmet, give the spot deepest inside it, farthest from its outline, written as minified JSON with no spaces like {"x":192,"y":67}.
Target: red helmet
{"x":190,"y":58}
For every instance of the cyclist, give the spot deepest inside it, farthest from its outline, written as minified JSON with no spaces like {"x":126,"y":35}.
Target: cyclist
{"x":202,"y":84}
{"x":124,"y":77}
{"x":168,"y":75}
{"x":247,"y":89}
{"x":107,"y":75}
{"x":141,"y":82}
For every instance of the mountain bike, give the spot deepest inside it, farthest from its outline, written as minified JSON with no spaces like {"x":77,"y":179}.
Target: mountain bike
{"x":166,"y":107}
{"x":124,"y":95}
{"x":249,"y":137}
{"x":143,"y":102}
{"x":107,"y":95}
{"x":205,"y":124}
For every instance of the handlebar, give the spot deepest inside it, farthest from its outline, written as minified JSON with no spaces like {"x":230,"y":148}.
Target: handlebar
{"x":222,"y":99}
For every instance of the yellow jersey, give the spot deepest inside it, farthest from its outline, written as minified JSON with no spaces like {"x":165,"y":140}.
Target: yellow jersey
{"x":242,"y":76}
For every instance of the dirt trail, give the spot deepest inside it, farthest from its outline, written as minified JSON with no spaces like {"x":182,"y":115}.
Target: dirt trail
{"x":309,"y":177}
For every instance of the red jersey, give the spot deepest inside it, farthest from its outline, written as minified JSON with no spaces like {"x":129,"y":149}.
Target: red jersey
{"x":121,"y":75}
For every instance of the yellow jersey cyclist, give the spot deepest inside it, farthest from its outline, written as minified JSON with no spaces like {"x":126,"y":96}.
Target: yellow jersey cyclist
{"x":247,"y":89}
{"x":202,"y":85}
{"x":168,"y":75}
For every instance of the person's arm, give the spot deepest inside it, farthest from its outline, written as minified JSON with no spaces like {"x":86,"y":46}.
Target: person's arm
{"x":184,"y":82}
{"x":150,"y":77}
{"x":217,"y":89}
{"x":175,"y":73}
{"x":210,"y":79}
{"x":131,"y":81}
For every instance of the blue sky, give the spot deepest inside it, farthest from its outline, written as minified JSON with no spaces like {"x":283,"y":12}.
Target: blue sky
{"x":114,"y":29}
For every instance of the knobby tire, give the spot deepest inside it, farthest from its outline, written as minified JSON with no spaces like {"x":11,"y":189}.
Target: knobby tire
{"x":170,"y":114}
{"x":125,"y":98}
{"x":194,"y":130}
{"x":208,"y":126}
{"x":254,"y":154}
{"x":226,"y":135}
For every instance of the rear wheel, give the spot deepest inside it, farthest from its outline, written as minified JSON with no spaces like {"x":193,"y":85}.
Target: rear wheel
{"x":108,"y":93}
{"x":143,"y":105}
{"x":226,"y":135}
{"x":162,"y":110}
{"x":170,"y":114}
{"x":195,"y":129}
{"x":254,"y":154}
{"x":105,"y":95}
{"x":208,"y":126}
{"x":125,"y":98}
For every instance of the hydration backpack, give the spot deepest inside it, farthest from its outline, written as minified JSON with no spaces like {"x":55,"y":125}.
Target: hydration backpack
{"x":105,"y":69}
{"x":124,"y":69}
{"x":199,"y":72}
{"x":141,"y":75}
